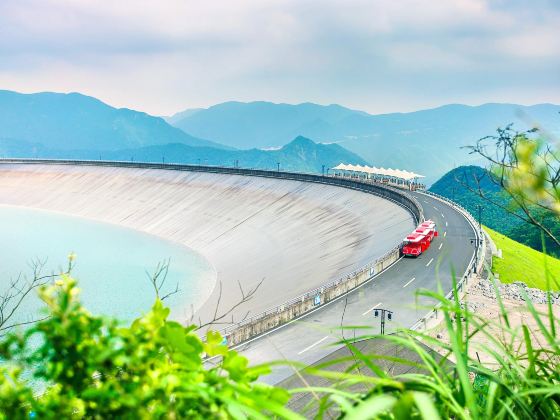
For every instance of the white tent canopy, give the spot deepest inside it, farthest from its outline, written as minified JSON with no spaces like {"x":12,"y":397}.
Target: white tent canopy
{"x":382,"y":172}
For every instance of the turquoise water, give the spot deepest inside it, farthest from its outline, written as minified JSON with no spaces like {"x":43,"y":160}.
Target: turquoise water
{"x":111,"y":263}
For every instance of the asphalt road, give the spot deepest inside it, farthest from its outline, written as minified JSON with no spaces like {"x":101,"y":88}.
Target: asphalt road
{"x":312,"y":337}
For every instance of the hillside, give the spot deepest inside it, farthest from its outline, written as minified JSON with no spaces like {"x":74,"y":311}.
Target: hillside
{"x":455,"y":185}
{"x":302,"y":155}
{"x":78,"y":122}
{"x":427,"y":142}
{"x":521,"y":263}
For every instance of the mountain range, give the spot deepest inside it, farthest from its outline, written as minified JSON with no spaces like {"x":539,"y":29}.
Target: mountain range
{"x":300,"y":155}
{"x":257,"y":134}
{"x":429,"y":142}
{"x":77,"y":122}
{"x":75,"y":126}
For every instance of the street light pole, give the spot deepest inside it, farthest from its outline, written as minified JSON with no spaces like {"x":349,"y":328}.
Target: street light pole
{"x":384,"y":313}
{"x":278,"y":164}
{"x":323,"y":170}
{"x":476,"y":242}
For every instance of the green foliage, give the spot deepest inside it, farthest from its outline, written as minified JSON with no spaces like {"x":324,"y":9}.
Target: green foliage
{"x":459,"y":184}
{"x":521,"y":380}
{"x":91,"y":367}
{"x":521,"y":263}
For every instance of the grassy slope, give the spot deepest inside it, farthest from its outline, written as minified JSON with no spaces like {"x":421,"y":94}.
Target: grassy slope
{"x":521,"y":263}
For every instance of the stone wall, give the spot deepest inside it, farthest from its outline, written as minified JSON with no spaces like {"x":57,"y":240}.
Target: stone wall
{"x":302,"y":305}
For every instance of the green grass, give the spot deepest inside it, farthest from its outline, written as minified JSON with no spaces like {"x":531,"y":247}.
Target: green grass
{"x":521,"y":263}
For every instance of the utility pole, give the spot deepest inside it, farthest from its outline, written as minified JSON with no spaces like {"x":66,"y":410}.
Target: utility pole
{"x":384,"y":313}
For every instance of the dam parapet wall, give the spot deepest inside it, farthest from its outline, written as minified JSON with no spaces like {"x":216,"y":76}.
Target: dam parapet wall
{"x":311,"y":300}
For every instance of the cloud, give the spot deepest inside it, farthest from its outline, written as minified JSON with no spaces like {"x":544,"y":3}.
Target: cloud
{"x":377,"y":55}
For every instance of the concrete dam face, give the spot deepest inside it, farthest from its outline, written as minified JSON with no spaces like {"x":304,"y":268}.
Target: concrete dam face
{"x":291,"y":235}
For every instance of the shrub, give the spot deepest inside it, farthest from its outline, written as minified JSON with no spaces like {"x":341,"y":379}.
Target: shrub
{"x":90,"y":366}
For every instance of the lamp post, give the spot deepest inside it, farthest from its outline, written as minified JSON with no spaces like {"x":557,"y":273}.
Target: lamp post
{"x":323,"y":172}
{"x":384,"y":313}
{"x":476,"y":242}
{"x":278,"y":164}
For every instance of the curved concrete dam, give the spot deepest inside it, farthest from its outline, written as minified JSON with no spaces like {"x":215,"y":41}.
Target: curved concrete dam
{"x":293,"y":235}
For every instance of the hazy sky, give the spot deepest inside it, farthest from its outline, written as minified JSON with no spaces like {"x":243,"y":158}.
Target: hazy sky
{"x":377,"y":55}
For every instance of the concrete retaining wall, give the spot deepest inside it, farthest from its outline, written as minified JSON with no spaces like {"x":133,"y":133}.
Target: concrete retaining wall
{"x":302,"y":305}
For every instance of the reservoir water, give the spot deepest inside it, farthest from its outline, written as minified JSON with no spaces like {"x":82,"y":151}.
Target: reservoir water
{"x":112,"y":263}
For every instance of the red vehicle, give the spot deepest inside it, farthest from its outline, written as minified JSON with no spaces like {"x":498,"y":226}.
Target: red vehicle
{"x":419,"y":240}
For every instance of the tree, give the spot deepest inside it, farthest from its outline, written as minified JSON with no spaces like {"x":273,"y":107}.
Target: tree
{"x":92,"y":367}
{"x":19,"y":289}
{"x":527,"y":168}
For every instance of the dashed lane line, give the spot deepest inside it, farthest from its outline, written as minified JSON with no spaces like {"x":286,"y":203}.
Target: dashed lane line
{"x":440,"y":245}
{"x":369,"y":310}
{"x":444,"y":234}
{"x":313,"y":345}
{"x":410,"y":281}
{"x":429,"y":262}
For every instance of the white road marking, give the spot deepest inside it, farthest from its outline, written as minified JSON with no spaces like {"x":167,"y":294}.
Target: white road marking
{"x":442,"y":215}
{"x":445,"y":224}
{"x":369,"y":310}
{"x":440,"y":245}
{"x":444,"y":234}
{"x":436,"y":208}
{"x":429,"y":262}
{"x":313,"y":345}
{"x":410,"y":281}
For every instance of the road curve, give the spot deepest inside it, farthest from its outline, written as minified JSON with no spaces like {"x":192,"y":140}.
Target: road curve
{"x":312,"y":337}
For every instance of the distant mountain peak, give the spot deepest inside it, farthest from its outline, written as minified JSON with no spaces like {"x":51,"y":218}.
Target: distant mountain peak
{"x":301,"y":141}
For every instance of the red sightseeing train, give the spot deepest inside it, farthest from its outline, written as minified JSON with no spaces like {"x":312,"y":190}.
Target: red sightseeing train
{"x":419,"y":240}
